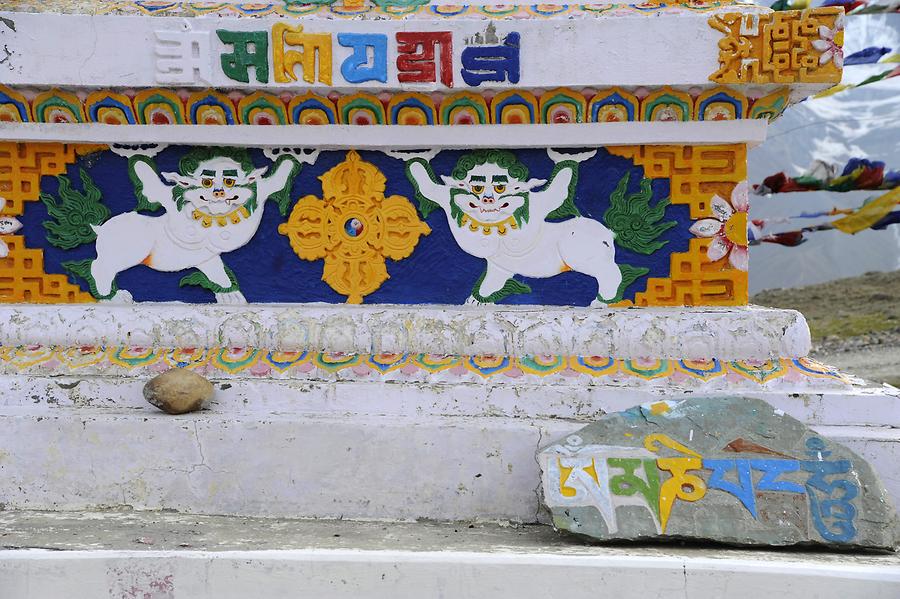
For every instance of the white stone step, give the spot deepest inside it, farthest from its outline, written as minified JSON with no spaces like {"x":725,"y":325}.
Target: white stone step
{"x":839,"y":405}
{"x":156,"y":555}
{"x":408,"y":455}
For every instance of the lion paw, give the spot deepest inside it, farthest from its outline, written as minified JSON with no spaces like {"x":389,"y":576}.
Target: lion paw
{"x":301,"y":155}
{"x":231,"y":297}
{"x":557,"y":156}
{"x":407,"y":155}
{"x":129,"y":150}
{"x":121,"y":297}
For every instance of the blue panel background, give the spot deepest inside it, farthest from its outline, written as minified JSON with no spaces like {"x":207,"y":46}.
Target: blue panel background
{"x":436,"y":272}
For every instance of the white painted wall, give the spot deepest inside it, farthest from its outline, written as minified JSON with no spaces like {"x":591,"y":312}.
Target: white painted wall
{"x":397,"y":137}
{"x":339,"y":450}
{"x":119,"y":51}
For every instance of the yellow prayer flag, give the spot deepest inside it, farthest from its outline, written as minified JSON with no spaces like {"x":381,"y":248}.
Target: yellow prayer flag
{"x":831,"y":90}
{"x":869,"y":214}
{"x":838,"y":181}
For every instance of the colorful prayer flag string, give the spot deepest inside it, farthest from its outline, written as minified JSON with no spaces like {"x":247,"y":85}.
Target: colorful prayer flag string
{"x":858,"y":173}
{"x":869,"y":55}
{"x":862,"y":7}
{"x":873,"y":79}
{"x":851,"y":7}
{"x":877,"y":214}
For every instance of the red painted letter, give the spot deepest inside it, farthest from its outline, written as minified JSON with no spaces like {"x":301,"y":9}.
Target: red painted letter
{"x":415,"y":60}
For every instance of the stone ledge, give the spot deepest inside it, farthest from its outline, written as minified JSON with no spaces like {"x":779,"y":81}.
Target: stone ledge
{"x":746,"y":333}
{"x":302,"y":465}
{"x":154,"y":532}
{"x":859,"y":405}
{"x":231,"y":558}
{"x":751,"y":131}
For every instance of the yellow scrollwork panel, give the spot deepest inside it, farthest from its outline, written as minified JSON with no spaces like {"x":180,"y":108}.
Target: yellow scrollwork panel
{"x":780,"y":47}
{"x":695,"y":174}
{"x":22,"y":276}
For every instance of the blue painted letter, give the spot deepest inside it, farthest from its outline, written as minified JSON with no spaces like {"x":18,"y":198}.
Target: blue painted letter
{"x":356,"y":67}
{"x":771,"y":470}
{"x":832,"y":516}
{"x":743,"y":489}
{"x":492,"y":63}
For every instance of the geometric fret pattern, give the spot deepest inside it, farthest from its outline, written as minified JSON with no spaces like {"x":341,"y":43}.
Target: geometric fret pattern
{"x":695,"y":174}
{"x":22,"y":276}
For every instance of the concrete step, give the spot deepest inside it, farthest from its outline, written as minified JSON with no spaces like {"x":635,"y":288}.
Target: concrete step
{"x":156,"y":555}
{"x":862,"y":404}
{"x":285,"y":464}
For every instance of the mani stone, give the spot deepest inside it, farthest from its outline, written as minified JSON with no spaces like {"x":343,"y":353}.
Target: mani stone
{"x":732,"y":470}
{"x":178,"y":391}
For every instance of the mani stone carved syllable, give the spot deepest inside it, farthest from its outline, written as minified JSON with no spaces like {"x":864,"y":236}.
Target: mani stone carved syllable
{"x":732,"y":470}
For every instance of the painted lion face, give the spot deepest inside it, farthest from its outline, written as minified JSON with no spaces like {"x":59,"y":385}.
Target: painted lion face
{"x":488,"y":194}
{"x":218,"y":186}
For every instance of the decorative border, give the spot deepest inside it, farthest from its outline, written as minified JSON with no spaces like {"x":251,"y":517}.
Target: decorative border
{"x":780,"y":47}
{"x":696,"y":174}
{"x":160,"y":106}
{"x":219,"y":362}
{"x":21,"y":169}
{"x":338,"y":9}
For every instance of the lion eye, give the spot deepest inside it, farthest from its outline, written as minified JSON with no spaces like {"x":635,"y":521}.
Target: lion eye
{"x":499,"y":188}
{"x":229,"y":182}
{"x":477,"y":188}
{"x":206,"y":182}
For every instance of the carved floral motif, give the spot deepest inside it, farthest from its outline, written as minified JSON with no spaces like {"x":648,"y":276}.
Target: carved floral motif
{"x":160,"y":106}
{"x":728,"y":228}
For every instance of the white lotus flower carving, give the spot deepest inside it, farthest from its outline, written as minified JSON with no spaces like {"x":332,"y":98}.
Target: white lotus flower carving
{"x":727,"y":228}
{"x":8,"y":226}
{"x":830,"y":42}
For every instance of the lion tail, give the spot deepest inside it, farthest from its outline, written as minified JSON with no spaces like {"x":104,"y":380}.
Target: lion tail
{"x":74,"y":215}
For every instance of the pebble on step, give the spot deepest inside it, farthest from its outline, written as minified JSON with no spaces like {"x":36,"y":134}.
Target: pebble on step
{"x":178,"y":391}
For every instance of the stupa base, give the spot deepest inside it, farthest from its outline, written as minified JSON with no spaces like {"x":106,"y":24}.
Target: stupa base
{"x":165,"y":555}
{"x":351,"y":449}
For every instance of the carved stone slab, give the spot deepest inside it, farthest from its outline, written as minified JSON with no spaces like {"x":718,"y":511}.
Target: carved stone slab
{"x":733,"y":470}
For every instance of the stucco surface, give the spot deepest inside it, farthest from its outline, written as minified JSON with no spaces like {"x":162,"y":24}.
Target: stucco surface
{"x":671,"y":333}
{"x":176,"y":556}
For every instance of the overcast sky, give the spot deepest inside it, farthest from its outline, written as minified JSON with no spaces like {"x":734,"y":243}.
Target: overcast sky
{"x":862,"y":122}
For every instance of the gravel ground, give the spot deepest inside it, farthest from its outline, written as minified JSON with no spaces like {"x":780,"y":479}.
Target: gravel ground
{"x":875,"y":357}
{"x":855,"y":323}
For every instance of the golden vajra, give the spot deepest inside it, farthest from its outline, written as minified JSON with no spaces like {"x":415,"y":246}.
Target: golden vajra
{"x":354,"y":228}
